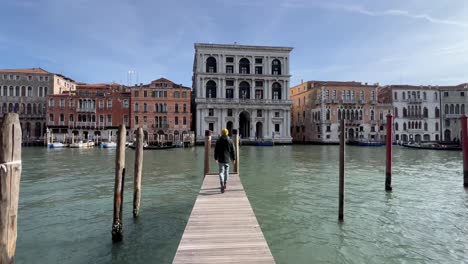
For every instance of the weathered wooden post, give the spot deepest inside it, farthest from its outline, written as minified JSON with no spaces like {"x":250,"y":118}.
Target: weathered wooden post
{"x":342,"y":164}
{"x":119,"y":184}
{"x":10,"y":174}
{"x":137,"y":173}
{"x":236,"y":145}
{"x":465,"y":149}
{"x":207,"y":151}
{"x":388,"y":146}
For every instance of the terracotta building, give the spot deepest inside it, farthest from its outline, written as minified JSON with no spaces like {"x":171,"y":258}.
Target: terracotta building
{"x":319,"y":106}
{"x":92,"y":112}
{"x":25,"y":91}
{"x":161,"y":108}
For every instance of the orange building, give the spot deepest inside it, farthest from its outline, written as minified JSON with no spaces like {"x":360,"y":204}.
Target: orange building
{"x":161,"y":108}
{"x":319,"y":106}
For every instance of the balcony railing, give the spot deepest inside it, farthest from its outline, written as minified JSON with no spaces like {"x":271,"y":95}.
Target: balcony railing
{"x":86,"y":124}
{"x":348,"y":101}
{"x":86,"y":110}
{"x":453,"y":115}
{"x":242,"y":101}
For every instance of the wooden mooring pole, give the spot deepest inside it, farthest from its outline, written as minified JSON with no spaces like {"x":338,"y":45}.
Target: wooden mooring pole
{"x":10,"y":174}
{"x":207,"y":151}
{"x":342,"y":164}
{"x":119,"y":184}
{"x":465,"y":149}
{"x":388,"y":146}
{"x":137,"y":173}
{"x":236,"y":145}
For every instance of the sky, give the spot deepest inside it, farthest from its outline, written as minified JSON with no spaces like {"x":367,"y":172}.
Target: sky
{"x":420,"y":42}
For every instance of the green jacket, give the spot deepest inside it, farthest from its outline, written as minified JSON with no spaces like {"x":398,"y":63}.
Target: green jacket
{"x":224,"y":150}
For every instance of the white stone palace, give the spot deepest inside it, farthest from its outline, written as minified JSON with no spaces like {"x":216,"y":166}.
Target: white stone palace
{"x":242,"y":87}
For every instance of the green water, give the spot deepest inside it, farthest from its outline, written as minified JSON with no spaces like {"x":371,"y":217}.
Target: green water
{"x":65,"y":210}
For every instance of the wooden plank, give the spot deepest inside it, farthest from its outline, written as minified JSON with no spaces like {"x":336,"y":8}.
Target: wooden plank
{"x":222,"y":228}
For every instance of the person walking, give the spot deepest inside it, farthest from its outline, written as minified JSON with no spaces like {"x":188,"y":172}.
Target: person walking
{"x":224,"y":153}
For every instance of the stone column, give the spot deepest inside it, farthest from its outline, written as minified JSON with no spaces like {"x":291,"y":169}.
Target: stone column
{"x":219,"y":88}
{"x":286,"y":87}
{"x":252,"y":89}
{"x":236,"y":88}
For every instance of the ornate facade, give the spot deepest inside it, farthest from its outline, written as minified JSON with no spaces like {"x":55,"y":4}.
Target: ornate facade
{"x":242,"y":87}
{"x":25,"y":92}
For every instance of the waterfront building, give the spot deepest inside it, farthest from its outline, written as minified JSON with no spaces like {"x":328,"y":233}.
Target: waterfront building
{"x":454,"y":100}
{"x":417,"y":112}
{"x":91,"y":112}
{"x":318,"y":107}
{"x":242,"y":87}
{"x":161,"y":108}
{"x":24,"y":91}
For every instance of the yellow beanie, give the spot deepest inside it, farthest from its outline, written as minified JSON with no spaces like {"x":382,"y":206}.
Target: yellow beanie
{"x":224,"y":132}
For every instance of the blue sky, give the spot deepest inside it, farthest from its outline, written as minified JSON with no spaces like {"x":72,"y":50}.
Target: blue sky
{"x":391,"y":42}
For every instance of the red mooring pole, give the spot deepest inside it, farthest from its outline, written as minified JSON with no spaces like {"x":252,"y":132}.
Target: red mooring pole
{"x":388,"y":168}
{"x":465,"y":149}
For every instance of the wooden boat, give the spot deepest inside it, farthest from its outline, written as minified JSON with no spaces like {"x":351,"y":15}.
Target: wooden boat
{"x":366,"y":143}
{"x":433,"y":146}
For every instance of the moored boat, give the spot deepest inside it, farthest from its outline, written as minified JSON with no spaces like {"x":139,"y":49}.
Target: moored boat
{"x":264,"y":143}
{"x":56,"y":145}
{"x":81,"y":144}
{"x":433,"y":146}
{"x":108,"y":145}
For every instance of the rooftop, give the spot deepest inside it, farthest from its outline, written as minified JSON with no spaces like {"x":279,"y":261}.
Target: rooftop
{"x":240,"y":47}
{"x":26,"y":70}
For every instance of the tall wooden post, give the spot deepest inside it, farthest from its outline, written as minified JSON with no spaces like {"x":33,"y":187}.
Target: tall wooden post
{"x":119,"y":184}
{"x":137,"y":173}
{"x":10,"y":174}
{"x":388,"y":146}
{"x":465,"y":150}
{"x":236,"y":145}
{"x":207,"y":151}
{"x":342,"y":164}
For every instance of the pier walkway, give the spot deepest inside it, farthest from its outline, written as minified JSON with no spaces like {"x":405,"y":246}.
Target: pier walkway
{"x":222,"y":227}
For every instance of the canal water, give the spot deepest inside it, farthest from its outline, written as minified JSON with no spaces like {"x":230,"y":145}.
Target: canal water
{"x":65,"y":207}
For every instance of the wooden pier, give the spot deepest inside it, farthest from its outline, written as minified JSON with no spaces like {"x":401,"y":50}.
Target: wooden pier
{"x":222,"y":227}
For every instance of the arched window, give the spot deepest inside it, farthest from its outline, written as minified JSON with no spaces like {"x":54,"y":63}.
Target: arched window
{"x":276,"y":67}
{"x":356,"y":114}
{"x":16,"y":107}
{"x":4,"y":108}
{"x":360,"y":114}
{"x":244,"y":66}
{"x":404,"y":126}
{"x":22,"y":108}
{"x":185,"y":108}
{"x":404,"y":95}
{"x":372,"y":115}
{"x":40,"y":94}
{"x":17,"y":91}
{"x":457,"y":109}
{"x":396,"y":112}
{"x":28,"y":109}
{"x":425,"y":112}
{"x":34,"y":109}
{"x":425,"y":126}
{"x":211,"y":65}
{"x":210,"y":89}
{"x":347,"y":115}
{"x":463,"y":109}
{"x":145,"y":107}
{"x":437,"y":112}
{"x":161,"y":108}
{"x":176,"y":95}
{"x":328,"y":114}
{"x":405,"y":112}
{"x":276,"y":91}
{"x":23,"y":90}
{"x":452,"y":109}
{"x":10,"y":107}
{"x":244,"y":90}
{"x":5,"y":91}
{"x":29,"y":91}
{"x":12,"y":92}
{"x":396,"y":126}
{"x":381,"y":116}
{"x":39,"y":108}
{"x":137,"y":107}
{"x":165,"y":111}
{"x":446,"y":109}
{"x":339,"y":114}
{"x":177,"y":108}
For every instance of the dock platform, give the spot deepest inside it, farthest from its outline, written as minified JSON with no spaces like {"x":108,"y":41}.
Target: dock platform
{"x":222,"y":228}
